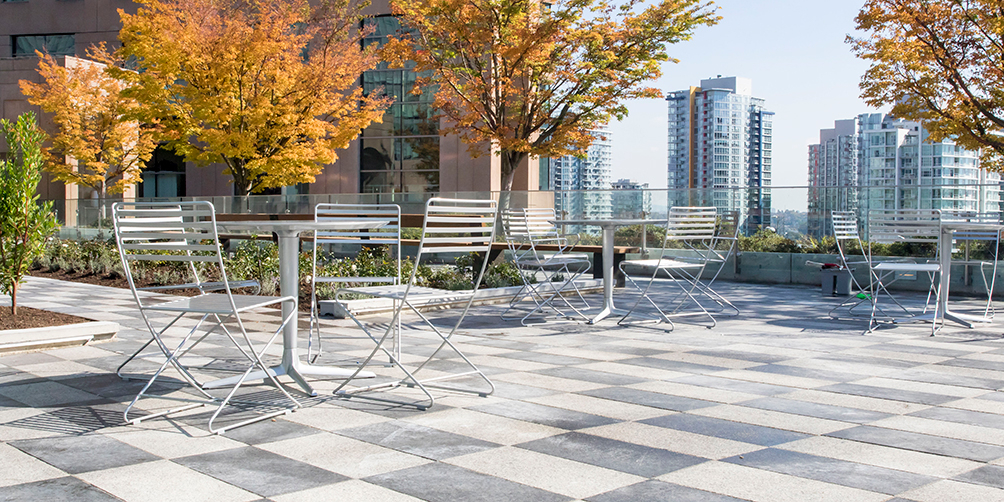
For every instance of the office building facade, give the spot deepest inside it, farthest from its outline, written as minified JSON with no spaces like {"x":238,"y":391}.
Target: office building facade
{"x":719,"y":149}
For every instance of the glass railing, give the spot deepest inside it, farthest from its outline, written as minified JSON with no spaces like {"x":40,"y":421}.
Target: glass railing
{"x":792,"y":211}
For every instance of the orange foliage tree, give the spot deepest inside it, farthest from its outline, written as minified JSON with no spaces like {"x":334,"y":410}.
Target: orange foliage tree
{"x":267,"y":88}
{"x":97,"y":143}
{"x":532,"y":78}
{"x":941,"y":62}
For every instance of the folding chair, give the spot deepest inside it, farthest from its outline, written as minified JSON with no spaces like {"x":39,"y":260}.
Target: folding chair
{"x":724,"y":245}
{"x":991,"y":240}
{"x":389,"y":234}
{"x":450,"y":226}
{"x":694,"y":228}
{"x":186,"y":232}
{"x":546,"y":274}
{"x":845,"y":232}
{"x":888,"y":226}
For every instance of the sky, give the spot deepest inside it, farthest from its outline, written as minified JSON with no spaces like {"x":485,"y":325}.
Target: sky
{"x":795,"y":53}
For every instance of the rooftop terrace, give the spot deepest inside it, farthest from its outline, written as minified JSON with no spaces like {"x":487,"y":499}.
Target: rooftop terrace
{"x":778,"y":404}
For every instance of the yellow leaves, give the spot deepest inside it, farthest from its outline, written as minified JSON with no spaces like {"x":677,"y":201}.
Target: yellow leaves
{"x":96,"y":123}
{"x":267,"y":87}
{"x":535,"y":79}
{"x":937,"y":61}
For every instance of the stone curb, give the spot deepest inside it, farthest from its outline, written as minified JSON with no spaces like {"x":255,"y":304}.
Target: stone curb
{"x":50,"y":337}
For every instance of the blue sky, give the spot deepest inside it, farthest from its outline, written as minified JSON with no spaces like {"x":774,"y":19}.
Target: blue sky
{"x":793,"y":50}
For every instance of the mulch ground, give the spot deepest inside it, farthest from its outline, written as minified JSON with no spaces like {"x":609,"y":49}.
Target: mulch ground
{"x":28,"y":317}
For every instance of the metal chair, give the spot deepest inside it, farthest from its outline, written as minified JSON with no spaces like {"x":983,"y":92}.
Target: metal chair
{"x":546,"y":274}
{"x":723,"y":246}
{"x":186,"y":232}
{"x":450,"y":226}
{"x":990,"y":239}
{"x":694,"y":228}
{"x":845,"y":232}
{"x":389,"y":235}
{"x":906,"y":226}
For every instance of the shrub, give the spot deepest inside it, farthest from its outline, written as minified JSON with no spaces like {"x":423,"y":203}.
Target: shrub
{"x":25,"y":224}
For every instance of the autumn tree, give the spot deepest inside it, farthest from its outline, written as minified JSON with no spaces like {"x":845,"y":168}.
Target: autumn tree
{"x":531,"y":78}
{"x":940,"y":62}
{"x":266,"y":88}
{"x":97,"y":143}
{"x":24,"y":222}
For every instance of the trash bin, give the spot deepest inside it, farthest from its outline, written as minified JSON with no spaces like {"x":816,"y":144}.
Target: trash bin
{"x":836,"y":281}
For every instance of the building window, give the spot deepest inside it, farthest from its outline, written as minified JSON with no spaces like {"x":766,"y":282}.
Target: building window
{"x":54,"y":45}
{"x":164,"y":175}
{"x":401,"y":154}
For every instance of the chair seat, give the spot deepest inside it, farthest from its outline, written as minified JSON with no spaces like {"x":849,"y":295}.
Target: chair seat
{"x":907,"y":267}
{"x":204,"y":286}
{"x":662,"y":264}
{"x":217,"y":303}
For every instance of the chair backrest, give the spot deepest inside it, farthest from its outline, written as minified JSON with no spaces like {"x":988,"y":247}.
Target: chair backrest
{"x":457,"y":226}
{"x":539,"y":223}
{"x":167,"y":231}
{"x":845,"y":225}
{"x":389,"y":234}
{"x":691,"y":223}
{"x":967,"y":235}
{"x":904,"y":225}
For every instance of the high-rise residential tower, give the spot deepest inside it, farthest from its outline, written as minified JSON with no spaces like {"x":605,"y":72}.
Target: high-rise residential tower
{"x":630,"y":199}
{"x":720,"y":149}
{"x":897,"y":168}
{"x":582,"y":184}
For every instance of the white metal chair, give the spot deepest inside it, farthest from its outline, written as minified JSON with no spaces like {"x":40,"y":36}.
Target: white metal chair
{"x":724,"y":246}
{"x":991,"y":241}
{"x":353,"y":240}
{"x":694,"y":228}
{"x":846,"y":235}
{"x":450,"y":226}
{"x":906,"y":226}
{"x":547,"y":273}
{"x":186,"y":232}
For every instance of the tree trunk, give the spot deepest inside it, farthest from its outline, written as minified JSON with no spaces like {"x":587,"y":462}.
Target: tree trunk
{"x":510,"y":161}
{"x":13,"y":299}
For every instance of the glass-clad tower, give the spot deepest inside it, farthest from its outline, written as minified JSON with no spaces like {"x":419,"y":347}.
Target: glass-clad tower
{"x":719,"y":154}
{"x":582,"y":184}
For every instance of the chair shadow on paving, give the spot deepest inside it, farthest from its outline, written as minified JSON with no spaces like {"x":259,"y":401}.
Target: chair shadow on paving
{"x":72,"y":420}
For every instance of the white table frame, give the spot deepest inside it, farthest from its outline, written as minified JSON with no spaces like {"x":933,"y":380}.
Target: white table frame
{"x":609,"y":228}
{"x":288,"y":232}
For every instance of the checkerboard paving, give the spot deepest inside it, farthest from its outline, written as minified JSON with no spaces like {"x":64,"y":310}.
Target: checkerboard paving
{"x":781,"y":403}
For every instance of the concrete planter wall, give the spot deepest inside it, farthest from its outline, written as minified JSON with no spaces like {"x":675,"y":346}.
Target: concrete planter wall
{"x":790,"y":268}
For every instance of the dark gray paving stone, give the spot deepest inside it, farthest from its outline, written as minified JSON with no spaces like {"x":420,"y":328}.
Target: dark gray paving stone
{"x":72,"y":420}
{"x":647,"y":398}
{"x":670,"y":365}
{"x":739,"y":355}
{"x":545,"y":415}
{"x":891,"y":394}
{"x":829,"y":470}
{"x":992,"y":396}
{"x":68,"y":489}
{"x":990,"y":475}
{"x":590,"y":376}
{"x":259,"y":471}
{"x":962,"y":417}
{"x":268,"y":431}
{"x":77,"y":454}
{"x":939,"y":377}
{"x":438,"y":482}
{"x":658,"y":491}
{"x":417,"y":440}
{"x":612,"y":454}
{"x":816,"y":410}
{"x":733,"y":385}
{"x":972,"y":363}
{"x":385,"y":409}
{"x":783,"y":369}
{"x":16,"y":360}
{"x":623,"y":349}
{"x":918,"y":349}
{"x":545,"y":358}
{"x":881,"y":362}
{"x":725,"y":429}
{"x":504,"y":343}
{"x":111,"y":386}
{"x":921,"y":442}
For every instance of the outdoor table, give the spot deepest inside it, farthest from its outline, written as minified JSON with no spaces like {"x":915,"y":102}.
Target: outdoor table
{"x":288,"y":232}
{"x":609,"y":227}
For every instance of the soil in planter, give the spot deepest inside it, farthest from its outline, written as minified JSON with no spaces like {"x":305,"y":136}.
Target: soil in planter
{"x":28,"y":317}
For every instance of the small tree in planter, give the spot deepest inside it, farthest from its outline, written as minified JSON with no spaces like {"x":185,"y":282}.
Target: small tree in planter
{"x":24,"y":223}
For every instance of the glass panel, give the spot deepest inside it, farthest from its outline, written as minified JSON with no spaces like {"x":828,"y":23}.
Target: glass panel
{"x":56,"y":45}
{"x":376,"y":154}
{"x":418,"y":153}
{"x":388,"y":127}
{"x":418,"y":120}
